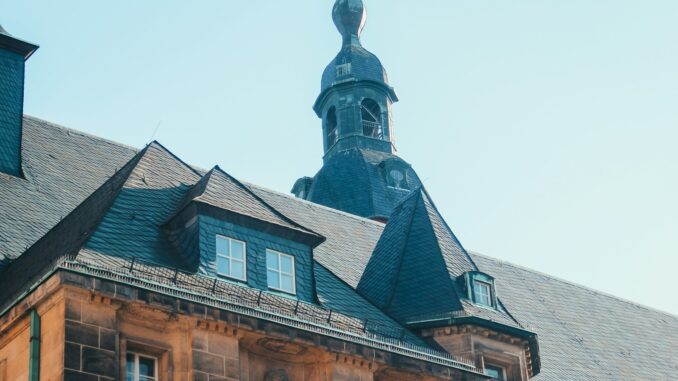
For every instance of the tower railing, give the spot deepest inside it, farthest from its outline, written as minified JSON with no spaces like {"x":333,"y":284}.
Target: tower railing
{"x":373,"y":129}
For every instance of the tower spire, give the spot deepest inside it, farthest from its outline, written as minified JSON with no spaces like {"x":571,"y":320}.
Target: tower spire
{"x":349,"y":17}
{"x":361,"y":172}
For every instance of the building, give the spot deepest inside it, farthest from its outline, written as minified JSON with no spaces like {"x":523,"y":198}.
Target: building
{"x":119,"y":263}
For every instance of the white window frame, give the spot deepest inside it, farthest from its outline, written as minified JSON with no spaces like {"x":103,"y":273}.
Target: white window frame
{"x":137,"y":356}
{"x":280,"y":272}
{"x":230,"y":258}
{"x":476,"y":294}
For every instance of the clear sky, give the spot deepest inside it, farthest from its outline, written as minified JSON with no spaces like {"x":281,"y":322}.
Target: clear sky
{"x":545,"y":131}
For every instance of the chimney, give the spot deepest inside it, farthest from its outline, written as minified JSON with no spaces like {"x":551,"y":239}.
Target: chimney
{"x":13,"y":56}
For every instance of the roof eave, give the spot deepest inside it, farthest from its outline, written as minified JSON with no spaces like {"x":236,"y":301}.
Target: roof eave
{"x":25,"y":49}
{"x":531,"y":337}
{"x":321,"y":98}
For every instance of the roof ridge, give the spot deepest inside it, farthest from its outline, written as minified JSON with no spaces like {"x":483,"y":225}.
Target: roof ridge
{"x":574,"y":284}
{"x":177,"y":158}
{"x":447,"y":226}
{"x":84,"y":134}
{"x":266,"y":204}
{"x":401,"y":256}
{"x":327,"y":208}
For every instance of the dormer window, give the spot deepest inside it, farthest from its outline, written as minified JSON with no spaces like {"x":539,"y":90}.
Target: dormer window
{"x":280,"y":272}
{"x":480,"y":288}
{"x":231,"y":261}
{"x":482,"y":293}
{"x":396,"y":179}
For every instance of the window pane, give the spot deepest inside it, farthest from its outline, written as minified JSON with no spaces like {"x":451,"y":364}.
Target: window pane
{"x":272,"y":260}
{"x":237,"y":249}
{"x":223,"y":266}
{"x":237,"y":269}
{"x":222,"y":246}
{"x":287,"y":283}
{"x":273,"y":280}
{"x":483,"y":293}
{"x":146,"y":367}
{"x":286,"y":264}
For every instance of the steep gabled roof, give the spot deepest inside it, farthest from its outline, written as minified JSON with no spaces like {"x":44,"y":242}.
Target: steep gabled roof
{"x":66,"y":238}
{"x":219,"y":189}
{"x":414,"y":270}
{"x":62,"y":167}
{"x":354,"y":180}
{"x":152,"y":193}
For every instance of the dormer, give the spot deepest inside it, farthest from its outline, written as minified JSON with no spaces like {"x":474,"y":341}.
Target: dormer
{"x":479,"y":288}
{"x":225,"y":231}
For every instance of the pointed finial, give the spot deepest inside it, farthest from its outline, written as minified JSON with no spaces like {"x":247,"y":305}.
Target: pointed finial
{"x":349,"y":16}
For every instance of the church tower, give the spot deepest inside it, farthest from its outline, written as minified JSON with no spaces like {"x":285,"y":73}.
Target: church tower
{"x":361,"y":172}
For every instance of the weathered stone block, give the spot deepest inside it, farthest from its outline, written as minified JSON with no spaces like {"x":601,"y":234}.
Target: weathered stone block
{"x":73,"y":310}
{"x":223,"y":345}
{"x":199,"y":376}
{"x":199,"y":340}
{"x":208,"y":363}
{"x":72,"y":356}
{"x":232,"y":368}
{"x":124,"y":292}
{"x":99,"y":362}
{"x":107,"y":339}
{"x":82,"y":334}
{"x":101,"y":316}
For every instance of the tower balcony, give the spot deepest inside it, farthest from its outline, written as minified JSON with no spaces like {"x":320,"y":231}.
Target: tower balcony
{"x":373,"y":129}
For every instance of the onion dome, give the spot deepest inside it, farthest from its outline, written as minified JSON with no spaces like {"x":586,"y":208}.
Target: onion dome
{"x":353,"y":61}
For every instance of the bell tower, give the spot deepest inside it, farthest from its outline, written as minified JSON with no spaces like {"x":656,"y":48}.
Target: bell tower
{"x":355,"y":97}
{"x":361,"y":172}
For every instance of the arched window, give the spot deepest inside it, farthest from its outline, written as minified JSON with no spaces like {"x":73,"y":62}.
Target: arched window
{"x":331,"y":127}
{"x":371,"y":119}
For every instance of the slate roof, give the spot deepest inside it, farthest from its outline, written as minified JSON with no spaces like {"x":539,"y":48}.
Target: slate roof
{"x":354,"y":180}
{"x":365,"y":66}
{"x":219,"y":189}
{"x":61,"y":168}
{"x":583,"y":334}
{"x":415,"y":269}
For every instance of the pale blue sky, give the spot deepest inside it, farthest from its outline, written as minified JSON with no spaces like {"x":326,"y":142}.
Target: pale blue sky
{"x":545,"y":131}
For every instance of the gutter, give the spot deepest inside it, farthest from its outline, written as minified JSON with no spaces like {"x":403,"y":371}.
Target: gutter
{"x":34,"y":359}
